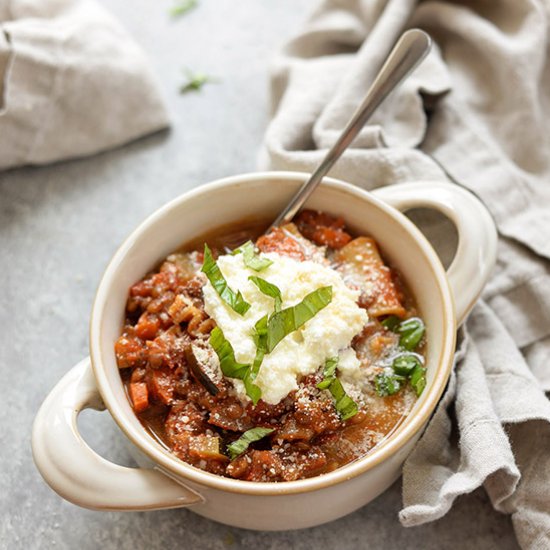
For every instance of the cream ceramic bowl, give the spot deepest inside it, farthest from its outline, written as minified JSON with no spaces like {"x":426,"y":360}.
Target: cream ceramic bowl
{"x":83,"y":477}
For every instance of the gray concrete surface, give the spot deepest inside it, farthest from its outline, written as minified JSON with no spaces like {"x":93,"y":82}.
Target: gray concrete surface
{"x":60,"y":224}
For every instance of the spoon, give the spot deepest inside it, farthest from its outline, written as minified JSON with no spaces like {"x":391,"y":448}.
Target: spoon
{"x":408,"y":52}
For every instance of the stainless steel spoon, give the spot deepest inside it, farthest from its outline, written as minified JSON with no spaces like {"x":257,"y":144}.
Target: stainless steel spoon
{"x":407,"y":53}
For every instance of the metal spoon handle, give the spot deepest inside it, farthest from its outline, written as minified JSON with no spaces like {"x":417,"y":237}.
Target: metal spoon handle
{"x":409,"y":51}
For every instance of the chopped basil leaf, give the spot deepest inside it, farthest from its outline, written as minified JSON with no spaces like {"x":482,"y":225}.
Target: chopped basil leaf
{"x":329,"y":373}
{"x":252,"y":390}
{"x":405,"y":364}
{"x":235,"y":301}
{"x":391,"y":322}
{"x":260,"y":339}
{"x":343,"y":403}
{"x":283,"y":322}
{"x":240,"y":445}
{"x":268,"y":289}
{"x":251,"y":258}
{"x":226,"y":355}
{"x":411,"y":331}
{"x":230,"y":367}
{"x":195,"y":81}
{"x":388,"y":384}
{"x":418,"y":379}
{"x":181,"y":7}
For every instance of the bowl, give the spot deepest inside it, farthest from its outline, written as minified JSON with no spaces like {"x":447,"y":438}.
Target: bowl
{"x":444,"y":299}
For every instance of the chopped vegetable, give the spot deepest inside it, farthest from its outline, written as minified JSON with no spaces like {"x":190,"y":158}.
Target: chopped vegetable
{"x":230,"y":367}
{"x":411,"y":331}
{"x":283,"y":322}
{"x":250,"y":436}
{"x":205,"y":446}
{"x":235,"y":301}
{"x":200,"y":360}
{"x":251,"y":258}
{"x":139,"y":396}
{"x":344,"y":404}
{"x":329,"y":373}
{"x":181,"y":7}
{"x":268,"y":289}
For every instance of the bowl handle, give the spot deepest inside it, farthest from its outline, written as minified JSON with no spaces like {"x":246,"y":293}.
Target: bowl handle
{"x":477,"y":236}
{"x":79,"y":474}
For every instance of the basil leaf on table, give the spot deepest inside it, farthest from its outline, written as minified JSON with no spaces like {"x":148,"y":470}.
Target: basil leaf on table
{"x":235,"y":301}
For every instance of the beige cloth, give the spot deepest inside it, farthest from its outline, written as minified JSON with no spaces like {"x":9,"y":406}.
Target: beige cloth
{"x":476,"y":112}
{"x":72,"y":82}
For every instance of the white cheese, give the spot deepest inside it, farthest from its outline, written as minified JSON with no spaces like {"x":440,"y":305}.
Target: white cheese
{"x":303,"y":351}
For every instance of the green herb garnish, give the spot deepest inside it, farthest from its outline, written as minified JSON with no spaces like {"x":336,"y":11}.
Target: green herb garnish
{"x":235,"y":301}
{"x":343,"y":403}
{"x":195,"y":81}
{"x":391,"y":322}
{"x":260,"y":339}
{"x":405,"y":364}
{"x":224,"y":350}
{"x":418,"y":379}
{"x":181,"y":7}
{"x":329,"y":373}
{"x":230,"y":367}
{"x":404,"y":367}
{"x":282,"y":323}
{"x":388,"y":384}
{"x":268,"y":289}
{"x":411,"y":332}
{"x":250,"y":436}
{"x":251,"y":258}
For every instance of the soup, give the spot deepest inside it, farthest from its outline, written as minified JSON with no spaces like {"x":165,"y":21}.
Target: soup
{"x":280,"y":359}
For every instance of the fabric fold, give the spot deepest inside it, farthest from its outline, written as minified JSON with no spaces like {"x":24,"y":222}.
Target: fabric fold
{"x":74,"y":83}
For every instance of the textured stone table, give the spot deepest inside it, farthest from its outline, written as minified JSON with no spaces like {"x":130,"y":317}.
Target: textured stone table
{"x":60,"y":224}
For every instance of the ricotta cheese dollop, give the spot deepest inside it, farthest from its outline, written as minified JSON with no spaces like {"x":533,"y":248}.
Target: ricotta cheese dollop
{"x":328,"y":334}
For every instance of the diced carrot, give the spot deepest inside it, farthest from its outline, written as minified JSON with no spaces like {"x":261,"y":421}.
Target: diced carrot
{"x":129,"y":351}
{"x":147,"y":326}
{"x":139,"y":396}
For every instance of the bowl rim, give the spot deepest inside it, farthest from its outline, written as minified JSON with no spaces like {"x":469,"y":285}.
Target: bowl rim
{"x":182,"y":472}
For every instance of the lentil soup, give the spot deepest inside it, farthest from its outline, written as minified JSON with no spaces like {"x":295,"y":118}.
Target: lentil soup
{"x":282,"y":359}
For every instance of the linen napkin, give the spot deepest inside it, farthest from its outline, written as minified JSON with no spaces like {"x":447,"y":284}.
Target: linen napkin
{"x":72,"y":82}
{"x":477,"y":113}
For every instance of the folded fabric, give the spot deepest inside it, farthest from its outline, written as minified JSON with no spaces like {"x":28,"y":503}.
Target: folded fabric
{"x":476,"y":112}
{"x":72,"y":83}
